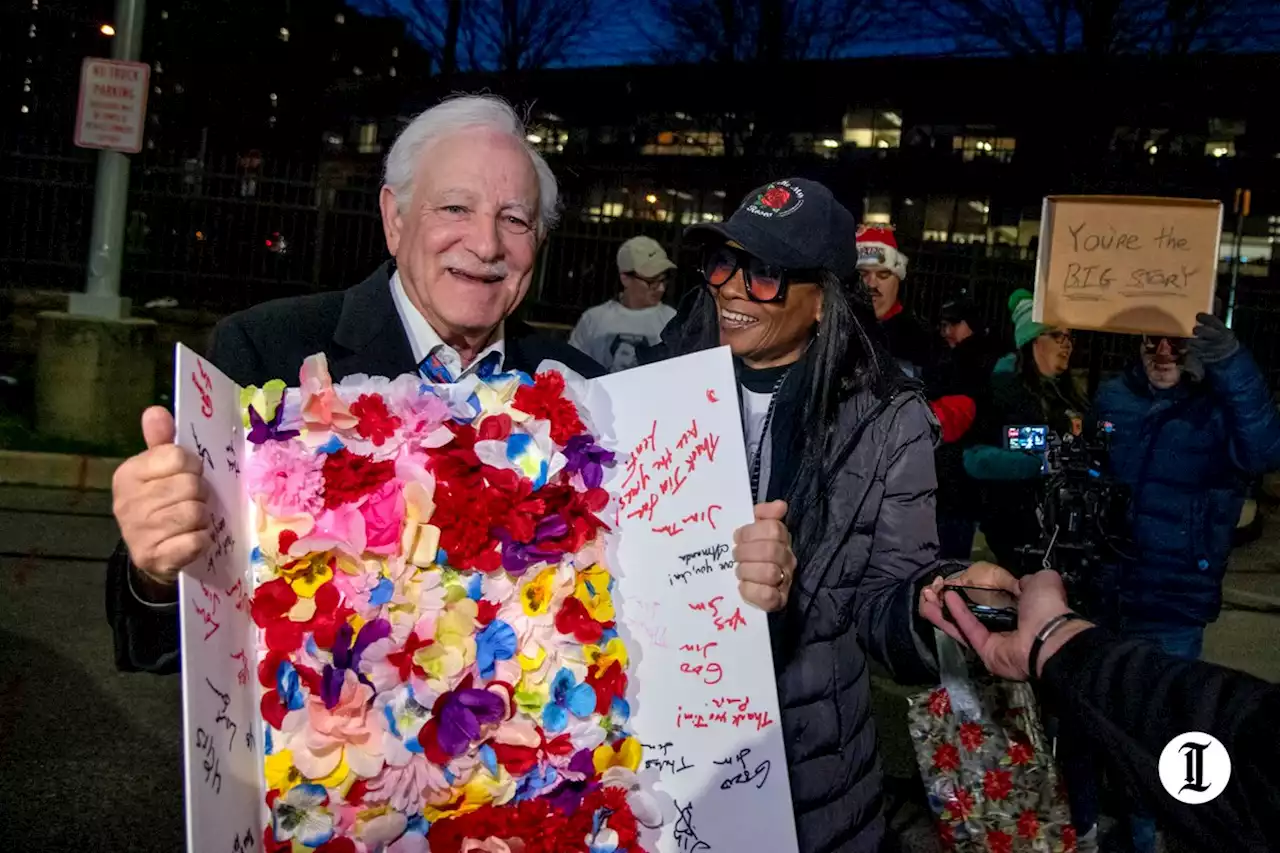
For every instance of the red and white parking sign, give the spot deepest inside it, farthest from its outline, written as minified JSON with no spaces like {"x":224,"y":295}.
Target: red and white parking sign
{"x":113,"y":104}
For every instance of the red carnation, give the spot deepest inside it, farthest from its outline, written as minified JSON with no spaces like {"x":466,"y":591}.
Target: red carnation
{"x":1068,"y":838}
{"x":495,"y":428}
{"x":340,"y":844}
{"x":464,"y":516}
{"x":574,"y":620}
{"x":348,"y":477}
{"x":997,"y":784}
{"x":999,"y":842}
{"x":971,"y":736}
{"x":1020,"y":753}
{"x":775,"y":197}
{"x":946,"y":757}
{"x":487,"y":611}
{"x":376,"y":423}
{"x":1028,"y":824}
{"x":940,"y":702}
{"x":545,"y":400}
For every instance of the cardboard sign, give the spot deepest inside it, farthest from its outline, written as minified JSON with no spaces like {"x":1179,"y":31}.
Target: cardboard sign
{"x":703,"y":699}
{"x":222,"y":741}
{"x":1135,"y":264}
{"x":112,"y":109}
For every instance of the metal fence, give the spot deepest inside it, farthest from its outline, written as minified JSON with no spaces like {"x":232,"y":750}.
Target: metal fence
{"x":226,"y":233}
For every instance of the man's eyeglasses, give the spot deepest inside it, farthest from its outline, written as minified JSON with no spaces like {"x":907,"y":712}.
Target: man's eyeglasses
{"x":764,"y":282}
{"x":658,"y":280}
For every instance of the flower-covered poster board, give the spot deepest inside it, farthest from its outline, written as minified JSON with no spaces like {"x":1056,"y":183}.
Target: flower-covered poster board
{"x":495,"y":615}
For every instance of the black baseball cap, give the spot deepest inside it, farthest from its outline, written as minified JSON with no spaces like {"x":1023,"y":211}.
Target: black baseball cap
{"x":962,"y":308}
{"x":793,"y":223}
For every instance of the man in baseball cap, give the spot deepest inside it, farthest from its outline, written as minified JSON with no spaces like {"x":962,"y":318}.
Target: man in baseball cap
{"x":617,"y":333}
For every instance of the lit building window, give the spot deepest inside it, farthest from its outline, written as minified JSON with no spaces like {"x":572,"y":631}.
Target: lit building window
{"x":976,"y":145}
{"x":275,"y":100}
{"x":1220,"y":148}
{"x":357,"y":70}
{"x":368,"y":143}
{"x":25,"y":109}
{"x":393,"y":71}
{"x":339,"y":18}
{"x":878,"y":210}
{"x":164,"y":15}
{"x":284,"y":34}
{"x":685,"y":143}
{"x":873,"y":128}
{"x":395,"y":53}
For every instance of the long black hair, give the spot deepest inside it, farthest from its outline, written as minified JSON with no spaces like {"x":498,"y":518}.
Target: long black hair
{"x":847,"y":354}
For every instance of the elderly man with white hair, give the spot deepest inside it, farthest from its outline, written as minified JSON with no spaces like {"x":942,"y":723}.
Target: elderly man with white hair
{"x":466,"y":204}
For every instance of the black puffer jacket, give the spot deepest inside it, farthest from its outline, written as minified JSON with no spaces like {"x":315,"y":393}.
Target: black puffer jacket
{"x":867,"y":540}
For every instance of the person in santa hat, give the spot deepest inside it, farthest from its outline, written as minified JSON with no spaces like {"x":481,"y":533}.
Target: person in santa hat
{"x":883,"y":268}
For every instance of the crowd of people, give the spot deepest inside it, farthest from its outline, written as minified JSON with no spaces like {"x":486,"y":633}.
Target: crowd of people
{"x":869,"y":437}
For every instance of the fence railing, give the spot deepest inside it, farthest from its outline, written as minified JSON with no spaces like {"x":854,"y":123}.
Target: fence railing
{"x":224,"y":234}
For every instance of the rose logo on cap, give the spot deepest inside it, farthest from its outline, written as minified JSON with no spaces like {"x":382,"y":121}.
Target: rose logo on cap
{"x":781,"y":198}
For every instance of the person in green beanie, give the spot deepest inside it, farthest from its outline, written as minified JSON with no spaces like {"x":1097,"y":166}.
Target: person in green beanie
{"x":1035,"y":388}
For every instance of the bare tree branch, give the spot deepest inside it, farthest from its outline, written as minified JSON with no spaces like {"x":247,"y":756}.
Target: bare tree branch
{"x":517,"y":35}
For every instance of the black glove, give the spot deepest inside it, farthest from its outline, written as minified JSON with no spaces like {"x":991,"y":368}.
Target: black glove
{"x":1213,"y":341}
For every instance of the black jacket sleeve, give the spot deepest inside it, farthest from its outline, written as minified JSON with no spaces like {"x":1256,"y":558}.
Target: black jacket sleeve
{"x":146,"y":635}
{"x":1133,"y":700}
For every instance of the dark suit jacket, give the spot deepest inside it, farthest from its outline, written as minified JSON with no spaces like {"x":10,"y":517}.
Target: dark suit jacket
{"x":359,"y":331}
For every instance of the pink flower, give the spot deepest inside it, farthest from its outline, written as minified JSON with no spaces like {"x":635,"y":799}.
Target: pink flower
{"x":322,"y":408}
{"x":348,"y":731}
{"x":492,"y":845}
{"x":286,"y":477}
{"x":383,"y":513}
{"x":405,"y":788}
{"x":341,"y":528}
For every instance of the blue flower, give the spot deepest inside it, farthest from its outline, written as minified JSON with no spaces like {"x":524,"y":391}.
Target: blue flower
{"x":382,"y":593}
{"x":496,"y":642}
{"x":300,"y":814}
{"x":567,"y":697}
{"x":289,"y":686}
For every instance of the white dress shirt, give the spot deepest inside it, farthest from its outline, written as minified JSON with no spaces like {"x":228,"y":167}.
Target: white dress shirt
{"x":425,"y":341}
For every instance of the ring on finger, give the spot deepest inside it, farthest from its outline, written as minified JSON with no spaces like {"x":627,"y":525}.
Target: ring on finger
{"x":782,"y":578}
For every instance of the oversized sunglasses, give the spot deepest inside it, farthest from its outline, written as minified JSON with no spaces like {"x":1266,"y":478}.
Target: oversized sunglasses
{"x":764,"y":282}
{"x":1151,"y":343}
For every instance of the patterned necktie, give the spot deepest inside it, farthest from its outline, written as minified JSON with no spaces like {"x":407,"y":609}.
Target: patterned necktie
{"x":434,"y":370}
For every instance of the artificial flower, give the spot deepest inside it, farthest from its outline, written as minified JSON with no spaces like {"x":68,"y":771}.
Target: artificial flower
{"x":349,"y":477}
{"x":285,"y":478}
{"x":301,"y":814}
{"x":322,"y":408}
{"x":567,"y":697}
{"x":625,"y":753}
{"x":544,"y":399}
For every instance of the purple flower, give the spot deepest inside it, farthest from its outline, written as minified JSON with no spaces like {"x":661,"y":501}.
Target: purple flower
{"x":583,"y":455}
{"x":261,"y":431}
{"x":463,"y":712}
{"x":347,"y":656}
{"x":517,"y":557}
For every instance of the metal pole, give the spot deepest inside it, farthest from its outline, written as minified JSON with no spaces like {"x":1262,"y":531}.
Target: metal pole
{"x":111,"y":191}
{"x":1237,"y":246}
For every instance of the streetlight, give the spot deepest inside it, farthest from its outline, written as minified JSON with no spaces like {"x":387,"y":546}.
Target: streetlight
{"x":107,"y":30}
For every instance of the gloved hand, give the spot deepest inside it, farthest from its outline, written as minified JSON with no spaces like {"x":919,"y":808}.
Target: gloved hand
{"x":1213,"y":341}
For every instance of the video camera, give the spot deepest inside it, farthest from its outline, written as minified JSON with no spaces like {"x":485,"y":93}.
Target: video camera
{"x":1083,"y":515}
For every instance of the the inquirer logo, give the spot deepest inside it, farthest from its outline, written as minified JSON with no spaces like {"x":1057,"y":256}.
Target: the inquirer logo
{"x":1195,"y":768}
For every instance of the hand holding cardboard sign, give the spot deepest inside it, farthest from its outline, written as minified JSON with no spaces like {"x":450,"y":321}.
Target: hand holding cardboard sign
{"x":159,"y":501}
{"x":1213,"y":341}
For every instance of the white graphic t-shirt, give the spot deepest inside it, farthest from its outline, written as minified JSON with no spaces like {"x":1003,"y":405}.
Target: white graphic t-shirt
{"x":616,"y":336}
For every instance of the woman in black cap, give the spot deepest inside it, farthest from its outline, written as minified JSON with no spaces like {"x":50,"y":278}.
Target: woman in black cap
{"x":836,"y":431}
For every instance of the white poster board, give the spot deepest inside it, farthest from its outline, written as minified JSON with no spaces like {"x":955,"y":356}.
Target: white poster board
{"x":222,"y":740}
{"x":701,"y":686}
{"x":703,"y":698}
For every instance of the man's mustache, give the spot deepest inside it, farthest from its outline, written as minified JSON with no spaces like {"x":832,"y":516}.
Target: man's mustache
{"x":471,"y":267}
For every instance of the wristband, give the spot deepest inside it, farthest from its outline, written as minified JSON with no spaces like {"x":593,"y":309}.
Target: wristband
{"x":1047,"y":631}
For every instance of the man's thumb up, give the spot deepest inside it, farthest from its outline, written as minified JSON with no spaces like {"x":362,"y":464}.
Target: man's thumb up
{"x":157,"y":427}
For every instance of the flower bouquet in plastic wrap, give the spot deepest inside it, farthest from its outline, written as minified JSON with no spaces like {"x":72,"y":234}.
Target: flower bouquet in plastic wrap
{"x":439,"y":662}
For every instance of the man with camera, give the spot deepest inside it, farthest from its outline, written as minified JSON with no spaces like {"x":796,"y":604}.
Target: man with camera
{"x":1193,"y":421}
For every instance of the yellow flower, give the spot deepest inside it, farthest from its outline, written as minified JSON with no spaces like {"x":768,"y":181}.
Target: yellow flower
{"x":458,"y":622}
{"x":602,"y":659}
{"x":281,"y":775}
{"x":338,"y":776}
{"x":593,"y":592}
{"x":534,"y":663}
{"x":484,"y":788}
{"x":441,"y":662}
{"x":264,"y":400}
{"x":270,"y":528}
{"x":627,"y":754}
{"x":308,"y":574}
{"x":420,"y":541}
{"x":536,"y":595}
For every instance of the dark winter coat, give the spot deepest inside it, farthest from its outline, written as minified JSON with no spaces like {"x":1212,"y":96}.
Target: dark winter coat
{"x":965,"y":369}
{"x":863,"y":562}
{"x":1186,"y":453}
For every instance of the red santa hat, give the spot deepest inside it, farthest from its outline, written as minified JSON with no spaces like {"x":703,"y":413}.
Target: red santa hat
{"x":878,"y":249}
